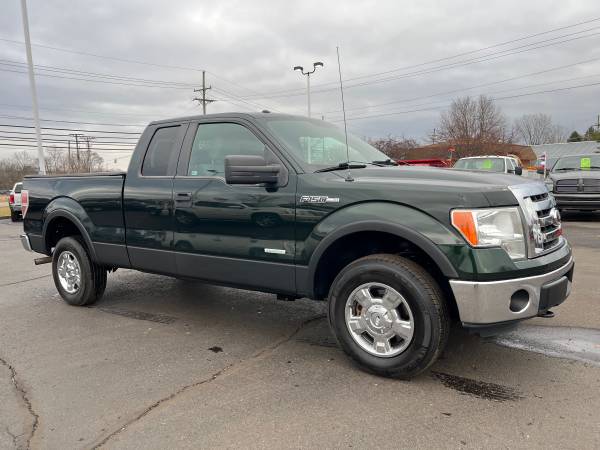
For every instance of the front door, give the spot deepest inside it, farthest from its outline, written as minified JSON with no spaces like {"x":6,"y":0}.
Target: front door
{"x":235,"y":234}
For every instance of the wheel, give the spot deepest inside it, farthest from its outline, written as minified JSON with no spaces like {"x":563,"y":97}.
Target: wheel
{"x":389,"y":315}
{"x":14,"y":216}
{"x":77,"y":278}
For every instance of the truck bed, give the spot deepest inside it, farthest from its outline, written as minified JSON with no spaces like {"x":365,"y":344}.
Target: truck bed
{"x":95,"y":199}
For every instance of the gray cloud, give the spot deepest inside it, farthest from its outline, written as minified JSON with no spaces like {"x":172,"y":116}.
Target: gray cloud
{"x":254,"y":45}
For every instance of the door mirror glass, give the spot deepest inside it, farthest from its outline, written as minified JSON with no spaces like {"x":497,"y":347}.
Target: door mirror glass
{"x":518,"y":170}
{"x":250,"y":169}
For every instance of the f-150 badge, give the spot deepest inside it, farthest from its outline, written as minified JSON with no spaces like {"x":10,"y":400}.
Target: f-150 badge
{"x":318,"y":199}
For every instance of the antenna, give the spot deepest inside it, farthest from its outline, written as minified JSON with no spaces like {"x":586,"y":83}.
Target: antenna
{"x":348,"y":176}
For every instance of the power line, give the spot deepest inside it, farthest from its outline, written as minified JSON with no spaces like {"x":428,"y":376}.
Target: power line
{"x":64,"y":147}
{"x":483,"y":58}
{"x":30,"y":139}
{"x":119,"y":83}
{"x":454,"y":91}
{"x":135,"y":138}
{"x":131,"y":61}
{"x":87,"y":111}
{"x":526,"y":94}
{"x":71,"y":129}
{"x":512,"y":41}
{"x":79,"y":123}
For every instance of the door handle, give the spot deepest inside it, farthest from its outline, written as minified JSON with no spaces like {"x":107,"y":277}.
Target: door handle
{"x":183,"y":197}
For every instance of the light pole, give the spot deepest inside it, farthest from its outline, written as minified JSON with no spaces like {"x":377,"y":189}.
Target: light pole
{"x":36,"y":116}
{"x":308,"y":73}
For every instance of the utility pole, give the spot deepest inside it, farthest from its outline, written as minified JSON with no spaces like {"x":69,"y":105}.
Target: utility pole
{"x":308,"y":74}
{"x":89,"y":151}
{"x":36,"y":114}
{"x":203,"y":99}
{"x":77,"y":136}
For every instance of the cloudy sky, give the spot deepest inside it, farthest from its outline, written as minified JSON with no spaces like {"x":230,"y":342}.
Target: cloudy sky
{"x":403,"y":61}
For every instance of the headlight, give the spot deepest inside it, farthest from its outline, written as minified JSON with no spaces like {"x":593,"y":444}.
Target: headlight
{"x":498,"y":227}
{"x":549,"y":184}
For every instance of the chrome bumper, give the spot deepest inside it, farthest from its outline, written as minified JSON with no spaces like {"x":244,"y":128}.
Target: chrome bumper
{"x":489,"y":302}
{"x":25,"y":242}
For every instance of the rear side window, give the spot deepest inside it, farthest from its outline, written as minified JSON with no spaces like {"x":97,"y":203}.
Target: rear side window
{"x":18,"y":188}
{"x":161,"y":155}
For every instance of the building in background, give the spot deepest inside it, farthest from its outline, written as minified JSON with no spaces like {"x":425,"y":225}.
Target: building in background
{"x":443,"y":151}
{"x":555,"y":151}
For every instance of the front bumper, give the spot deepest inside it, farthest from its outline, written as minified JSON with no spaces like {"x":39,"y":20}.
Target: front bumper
{"x":25,"y":242}
{"x":588,"y":202}
{"x":495,"y":302}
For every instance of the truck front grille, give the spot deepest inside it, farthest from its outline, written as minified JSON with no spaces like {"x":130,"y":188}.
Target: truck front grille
{"x":566,"y":186}
{"x":547,"y":218}
{"x":591,"y":185}
{"x":542,"y":219}
{"x":578,"y":186}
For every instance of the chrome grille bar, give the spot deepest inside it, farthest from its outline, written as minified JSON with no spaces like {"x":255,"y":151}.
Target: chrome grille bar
{"x":542,"y":219}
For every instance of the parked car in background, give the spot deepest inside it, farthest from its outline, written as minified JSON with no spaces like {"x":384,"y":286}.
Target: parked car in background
{"x":14,"y":202}
{"x":575,"y":182}
{"x":500,"y":164}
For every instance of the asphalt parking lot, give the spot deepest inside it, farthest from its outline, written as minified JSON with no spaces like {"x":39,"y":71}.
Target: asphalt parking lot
{"x":162,"y":363}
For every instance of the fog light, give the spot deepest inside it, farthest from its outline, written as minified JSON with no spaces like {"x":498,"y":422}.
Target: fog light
{"x":519,"y":301}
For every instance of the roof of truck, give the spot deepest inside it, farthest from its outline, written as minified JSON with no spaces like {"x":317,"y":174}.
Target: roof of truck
{"x":229,"y":115}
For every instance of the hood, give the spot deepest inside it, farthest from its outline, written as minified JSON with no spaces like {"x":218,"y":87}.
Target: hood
{"x":433,"y":190}
{"x":465,"y":180}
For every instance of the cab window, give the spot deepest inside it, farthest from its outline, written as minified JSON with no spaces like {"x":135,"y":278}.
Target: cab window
{"x":214,"y":141}
{"x":161,"y":155}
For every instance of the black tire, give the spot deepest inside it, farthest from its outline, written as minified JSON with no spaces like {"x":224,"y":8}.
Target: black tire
{"x":422,"y":294}
{"x":14,"y":216}
{"x":92,"y":276}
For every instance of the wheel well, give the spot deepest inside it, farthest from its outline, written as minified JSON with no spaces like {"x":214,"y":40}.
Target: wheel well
{"x":59,"y":228}
{"x":356,"y":245}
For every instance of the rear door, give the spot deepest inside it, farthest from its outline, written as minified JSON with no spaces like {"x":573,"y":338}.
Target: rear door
{"x":235,"y":234}
{"x":148,"y":199}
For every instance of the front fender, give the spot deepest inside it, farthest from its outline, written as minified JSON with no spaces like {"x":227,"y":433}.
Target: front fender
{"x":403,"y":221}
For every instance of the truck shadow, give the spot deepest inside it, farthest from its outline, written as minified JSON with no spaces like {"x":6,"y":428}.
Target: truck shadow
{"x":467,"y":361}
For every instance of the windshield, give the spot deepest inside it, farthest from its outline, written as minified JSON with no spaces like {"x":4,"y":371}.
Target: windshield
{"x":320,"y":144}
{"x":489,"y":164}
{"x":583,"y":162}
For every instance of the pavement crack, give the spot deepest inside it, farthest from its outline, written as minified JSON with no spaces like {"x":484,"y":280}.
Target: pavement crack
{"x":25,"y":281}
{"x":227,"y":369}
{"x":25,"y":397}
{"x":12,"y":436}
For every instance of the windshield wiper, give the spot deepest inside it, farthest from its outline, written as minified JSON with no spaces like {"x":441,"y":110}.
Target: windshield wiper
{"x":386,"y":162}
{"x":343,"y":166}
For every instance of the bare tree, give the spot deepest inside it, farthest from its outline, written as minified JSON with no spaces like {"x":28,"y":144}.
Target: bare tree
{"x":536,"y":129}
{"x":394,"y":147}
{"x":474,"y":121}
{"x":57,"y":162}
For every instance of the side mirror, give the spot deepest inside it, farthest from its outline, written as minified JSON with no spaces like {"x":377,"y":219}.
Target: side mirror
{"x":250,"y":169}
{"x":518,"y":171}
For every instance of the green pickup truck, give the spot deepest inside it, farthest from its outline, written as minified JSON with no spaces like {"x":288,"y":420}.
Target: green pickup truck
{"x":279,"y":204}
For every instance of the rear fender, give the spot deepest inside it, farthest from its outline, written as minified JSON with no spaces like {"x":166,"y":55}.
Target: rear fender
{"x":69,"y":209}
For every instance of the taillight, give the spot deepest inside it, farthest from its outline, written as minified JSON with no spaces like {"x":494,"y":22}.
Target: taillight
{"x":24,"y":202}
{"x":11,"y":199}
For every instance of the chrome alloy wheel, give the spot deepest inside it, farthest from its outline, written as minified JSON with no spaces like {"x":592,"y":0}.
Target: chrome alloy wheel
{"x":379,"y":319}
{"x":69,"y":272}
